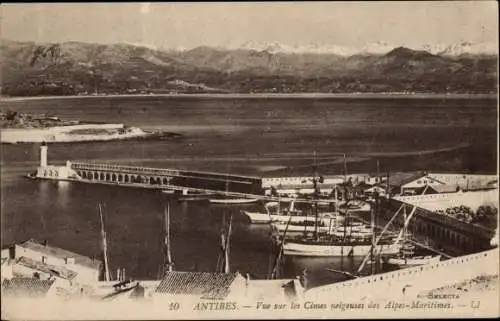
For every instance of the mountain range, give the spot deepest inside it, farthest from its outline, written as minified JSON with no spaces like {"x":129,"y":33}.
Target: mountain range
{"x":377,"y":48}
{"x":71,"y":68}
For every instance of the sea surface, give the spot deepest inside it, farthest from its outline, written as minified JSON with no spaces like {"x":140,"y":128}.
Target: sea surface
{"x":257,"y":136}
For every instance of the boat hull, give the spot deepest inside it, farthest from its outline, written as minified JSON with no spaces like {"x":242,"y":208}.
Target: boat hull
{"x":300,"y":249}
{"x":233,"y":201}
{"x":410,"y":262}
{"x":323,"y":227}
{"x":264,"y":218}
{"x":195,"y":197}
{"x":298,"y":228}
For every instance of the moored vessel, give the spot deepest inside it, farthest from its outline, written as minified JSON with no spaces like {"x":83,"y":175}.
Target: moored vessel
{"x":233,"y":200}
{"x":284,"y":215}
{"x":334,"y":246}
{"x":413,"y":260}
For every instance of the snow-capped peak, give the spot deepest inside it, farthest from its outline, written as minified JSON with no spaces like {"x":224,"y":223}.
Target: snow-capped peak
{"x":462,"y":48}
{"x":376,"y":48}
{"x":137,"y":44}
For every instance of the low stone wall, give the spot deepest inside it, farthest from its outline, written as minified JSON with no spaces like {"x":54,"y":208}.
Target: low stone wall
{"x":414,"y":280}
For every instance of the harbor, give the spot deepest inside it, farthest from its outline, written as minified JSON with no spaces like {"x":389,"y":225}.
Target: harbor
{"x":252,"y":165}
{"x":268,"y":210}
{"x":430,"y":229}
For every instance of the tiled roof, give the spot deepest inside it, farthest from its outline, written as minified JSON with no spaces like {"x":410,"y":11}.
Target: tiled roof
{"x":204,"y":284}
{"x":47,"y":268}
{"x":32,"y":287}
{"x":60,"y":253}
{"x":375,"y":188}
{"x":443,"y":188}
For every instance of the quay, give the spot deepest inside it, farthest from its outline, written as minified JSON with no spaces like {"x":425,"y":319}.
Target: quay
{"x":410,"y":282}
{"x":436,"y":230}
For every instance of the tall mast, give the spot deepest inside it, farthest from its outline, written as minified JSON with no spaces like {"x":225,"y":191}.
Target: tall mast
{"x":345,"y":170}
{"x":107,"y":276}
{"x":387,"y":186}
{"x":373,"y":219}
{"x":345,"y":181}
{"x":347,"y":218}
{"x":373,"y":211}
{"x":168,"y":266}
{"x":404,"y":230}
{"x":378,"y":173}
{"x":315,"y":196}
{"x":227,"y":247}
{"x":277,"y":263}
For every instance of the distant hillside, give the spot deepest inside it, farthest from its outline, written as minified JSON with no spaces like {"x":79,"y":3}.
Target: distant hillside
{"x":72,"y":68}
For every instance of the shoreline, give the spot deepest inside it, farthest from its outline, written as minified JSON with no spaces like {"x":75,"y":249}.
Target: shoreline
{"x":66,"y":134}
{"x":268,"y":95}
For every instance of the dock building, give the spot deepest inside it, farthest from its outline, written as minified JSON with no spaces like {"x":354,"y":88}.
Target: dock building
{"x":412,"y":183}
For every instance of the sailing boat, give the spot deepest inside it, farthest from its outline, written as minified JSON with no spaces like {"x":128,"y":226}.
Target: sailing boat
{"x":294,"y":217}
{"x":406,"y":256}
{"x":333,"y":244}
{"x":123,"y":286}
{"x":281,"y":217}
{"x":277,"y":216}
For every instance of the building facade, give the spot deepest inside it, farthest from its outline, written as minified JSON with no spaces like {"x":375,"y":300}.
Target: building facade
{"x":31,"y":255}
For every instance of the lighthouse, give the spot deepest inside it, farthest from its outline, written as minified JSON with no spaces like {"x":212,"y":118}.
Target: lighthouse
{"x":43,"y":155}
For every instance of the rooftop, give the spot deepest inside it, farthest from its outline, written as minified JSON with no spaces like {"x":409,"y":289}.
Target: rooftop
{"x":47,"y":268}
{"x":60,"y":253}
{"x":441,"y":188}
{"x":31,"y":287}
{"x":204,"y":284}
{"x":376,"y":188}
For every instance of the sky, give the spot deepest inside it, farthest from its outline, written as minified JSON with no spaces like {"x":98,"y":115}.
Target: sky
{"x":187,"y":25}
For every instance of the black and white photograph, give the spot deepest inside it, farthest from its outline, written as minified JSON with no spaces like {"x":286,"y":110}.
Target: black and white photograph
{"x":249,"y":160}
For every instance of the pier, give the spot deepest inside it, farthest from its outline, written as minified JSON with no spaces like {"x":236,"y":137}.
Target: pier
{"x":146,"y":177}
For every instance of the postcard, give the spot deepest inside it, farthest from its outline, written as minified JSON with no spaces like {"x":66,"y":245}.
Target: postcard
{"x":249,"y":160}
